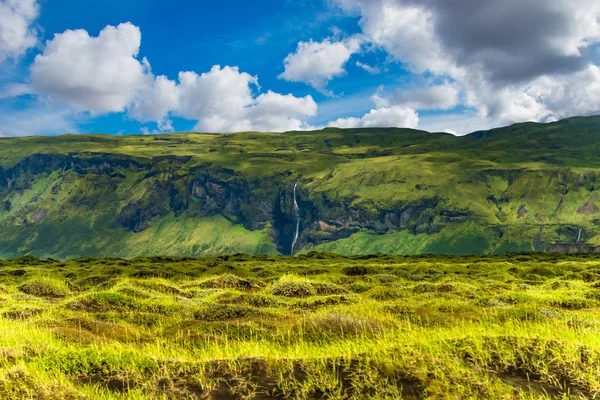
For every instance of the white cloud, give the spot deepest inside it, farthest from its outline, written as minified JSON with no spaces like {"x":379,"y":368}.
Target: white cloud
{"x":514,"y":60}
{"x":15,"y":90}
{"x":456,"y":124}
{"x":222,"y":100}
{"x":384,"y":117}
{"x":103,"y":74}
{"x":221,"y":92}
{"x":405,"y":31}
{"x":316,"y":63}
{"x":38,"y":120}
{"x":368,"y":68}
{"x":99,"y":74}
{"x":545,"y":99}
{"x":441,"y":97}
{"x":155,"y":101}
{"x":17,"y":34}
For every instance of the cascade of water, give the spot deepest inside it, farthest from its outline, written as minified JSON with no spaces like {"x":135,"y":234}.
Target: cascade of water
{"x":297,"y":216}
{"x":579,"y":236}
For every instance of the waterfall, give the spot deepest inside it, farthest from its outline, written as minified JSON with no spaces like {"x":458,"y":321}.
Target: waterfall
{"x":579,"y":236}
{"x":297,"y":216}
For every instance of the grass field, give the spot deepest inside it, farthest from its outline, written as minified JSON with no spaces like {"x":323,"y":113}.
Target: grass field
{"x":310,"y":327}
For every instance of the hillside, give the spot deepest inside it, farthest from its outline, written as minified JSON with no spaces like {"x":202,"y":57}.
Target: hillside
{"x":520,"y":188}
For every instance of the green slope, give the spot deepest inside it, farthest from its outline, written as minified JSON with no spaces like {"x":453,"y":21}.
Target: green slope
{"x":518,"y":188}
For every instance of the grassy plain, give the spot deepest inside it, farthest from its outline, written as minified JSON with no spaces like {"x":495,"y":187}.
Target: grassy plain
{"x":315,"y":326}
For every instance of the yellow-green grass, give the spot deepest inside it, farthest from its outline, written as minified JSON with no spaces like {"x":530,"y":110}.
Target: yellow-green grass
{"x":310,"y":327}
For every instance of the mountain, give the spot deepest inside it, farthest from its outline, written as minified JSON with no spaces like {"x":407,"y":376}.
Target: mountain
{"x":525,"y":187}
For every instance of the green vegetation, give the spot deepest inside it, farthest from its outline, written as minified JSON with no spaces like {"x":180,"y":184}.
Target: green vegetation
{"x":521,"y":188}
{"x":310,"y":327}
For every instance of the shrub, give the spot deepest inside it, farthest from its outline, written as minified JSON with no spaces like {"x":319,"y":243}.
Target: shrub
{"x":293,"y":289}
{"x":334,"y":326}
{"x":385,"y":278}
{"x":101,"y":302}
{"x":255,"y":300}
{"x":314,"y":303}
{"x":355,"y":271}
{"x":45,"y":287}
{"x":573,"y":303}
{"x":386,"y":293}
{"x":541,"y":271}
{"x":361,"y":287}
{"x":229,"y":281}
{"x":161,"y":287}
{"x":524,"y":312}
{"x":22,"y":312}
{"x":326,"y":288}
{"x":223,"y":312}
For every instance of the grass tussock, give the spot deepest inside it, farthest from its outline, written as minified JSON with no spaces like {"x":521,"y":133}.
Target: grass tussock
{"x":305,"y":328}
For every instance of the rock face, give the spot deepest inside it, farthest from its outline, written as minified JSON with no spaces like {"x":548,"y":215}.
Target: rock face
{"x":573,"y":248}
{"x":170,"y":186}
{"x":361,"y":191}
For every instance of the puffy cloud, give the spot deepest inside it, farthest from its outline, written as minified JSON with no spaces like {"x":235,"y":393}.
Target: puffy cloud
{"x":316,"y":63}
{"x":443,"y":97}
{"x":514,"y":60}
{"x":222,"y":100}
{"x":404,"y":30}
{"x":103,"y":74}
{"x":16,"y":31}
{"x":547,"y":98}
{"x":383,"y":117}
{"x":155,"y":101}
{"x":99,"y":74}
{"x":276,"y":112}
{"x":219,"y":93}
{"x":510,"y":40}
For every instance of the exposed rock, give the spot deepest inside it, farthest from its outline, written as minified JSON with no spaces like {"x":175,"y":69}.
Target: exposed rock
{"x":325,"y":227}
{"x":588,"y":208}
{"x":573,"y":248}
{"x":39,"y":216}
{"x":522,"y":213}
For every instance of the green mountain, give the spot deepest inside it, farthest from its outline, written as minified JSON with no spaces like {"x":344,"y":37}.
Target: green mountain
{"x":521,"y":188}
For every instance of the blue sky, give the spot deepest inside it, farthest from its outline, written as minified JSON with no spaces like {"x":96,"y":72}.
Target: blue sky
{"x":115,"y":66}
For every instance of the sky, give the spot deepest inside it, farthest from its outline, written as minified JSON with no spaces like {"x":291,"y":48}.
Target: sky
{"x":159,"y":66}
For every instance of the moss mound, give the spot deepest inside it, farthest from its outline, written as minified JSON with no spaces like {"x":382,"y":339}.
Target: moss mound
{"x":45,"y":287}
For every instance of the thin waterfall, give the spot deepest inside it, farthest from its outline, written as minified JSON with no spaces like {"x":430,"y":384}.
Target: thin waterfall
{"x":579,"y":236}
{"x":296,"y":216}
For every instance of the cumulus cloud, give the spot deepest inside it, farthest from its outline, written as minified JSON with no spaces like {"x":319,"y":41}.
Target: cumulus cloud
{"x":440,"y":97}
{"x":17,"y":34}
{"x":154,"y":101}
{"x":383,"y":117}
{"x":103,"y":74}
{"x":316,"y":63}
{"x":507,"y":56}
{"x":99,"y":74}
{"x":222,"y":100}
{"x":546,"y":99}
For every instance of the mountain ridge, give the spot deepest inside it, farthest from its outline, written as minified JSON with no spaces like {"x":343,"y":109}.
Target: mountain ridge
{"x":525,"y":187}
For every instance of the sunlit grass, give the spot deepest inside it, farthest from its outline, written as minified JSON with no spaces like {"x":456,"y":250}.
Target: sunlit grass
{"x":317,"y":326}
